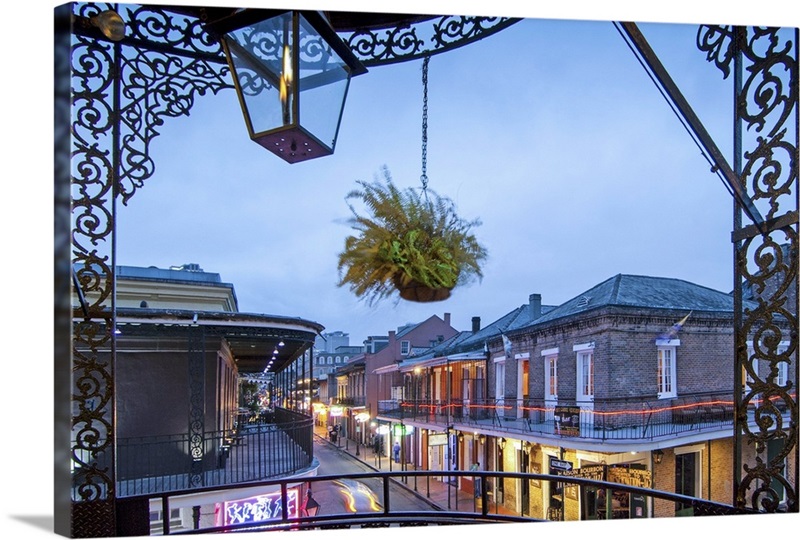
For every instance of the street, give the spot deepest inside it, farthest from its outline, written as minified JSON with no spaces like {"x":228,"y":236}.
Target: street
{"x":351,"y":496}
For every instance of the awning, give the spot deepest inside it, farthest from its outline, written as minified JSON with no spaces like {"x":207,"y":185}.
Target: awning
{"x":409,"y":366}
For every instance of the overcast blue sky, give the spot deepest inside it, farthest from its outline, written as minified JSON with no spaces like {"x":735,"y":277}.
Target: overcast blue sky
{"x":550,"y":132}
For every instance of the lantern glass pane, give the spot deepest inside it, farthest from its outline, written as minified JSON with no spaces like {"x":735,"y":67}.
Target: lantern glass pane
{"x":323,"y":82}
{"x":262,"y":59}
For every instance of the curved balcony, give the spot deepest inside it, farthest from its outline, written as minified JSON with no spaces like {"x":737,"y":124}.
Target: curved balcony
{"x":280,"y":446}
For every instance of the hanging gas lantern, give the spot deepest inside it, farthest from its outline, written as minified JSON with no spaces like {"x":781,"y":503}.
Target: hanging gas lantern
{"x":292,"y":72}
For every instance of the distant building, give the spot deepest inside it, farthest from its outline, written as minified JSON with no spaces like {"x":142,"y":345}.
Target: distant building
{"x":374,"y":344}
{"x":184,"y":287}
{"x":326,"y":363}
{"x":330,"y":341}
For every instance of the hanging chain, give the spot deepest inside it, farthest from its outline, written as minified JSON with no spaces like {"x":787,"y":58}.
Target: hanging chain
{"x":424,"y":176}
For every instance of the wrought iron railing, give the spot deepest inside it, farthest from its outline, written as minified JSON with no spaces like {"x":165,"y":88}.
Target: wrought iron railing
{"x":621,"y":418}
{"x":354,"y":401}
{"x":386,"y":510}
{"x":251,"y":453}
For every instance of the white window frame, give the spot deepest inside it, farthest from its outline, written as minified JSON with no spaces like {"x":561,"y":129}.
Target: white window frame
{"x":783,"y":367}
{"x":783,"y":374}
{"x":500,"y":380}
{"x":550,"y":374}
{"x":405,"y":347}
{"x":667,"y":353}
{"x":584,"y":352}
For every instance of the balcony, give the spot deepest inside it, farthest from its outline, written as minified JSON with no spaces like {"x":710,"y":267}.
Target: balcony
{"x":388,"y":510}
{"x":629,"y":419}
{"x":255,"y":452}
{"x":352,"y":401}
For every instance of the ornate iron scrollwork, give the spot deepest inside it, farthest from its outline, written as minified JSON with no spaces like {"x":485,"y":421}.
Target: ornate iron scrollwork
{"x":196,"y":375}
{"x":764,"y":62}
{"x":415,"y":40}
{"x":120,"y":94}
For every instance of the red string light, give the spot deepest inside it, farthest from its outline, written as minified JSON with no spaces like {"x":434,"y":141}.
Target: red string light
{"x":643,"y":412}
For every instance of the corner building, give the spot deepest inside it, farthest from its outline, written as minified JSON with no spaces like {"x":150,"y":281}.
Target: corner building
{"x":630,"y":382}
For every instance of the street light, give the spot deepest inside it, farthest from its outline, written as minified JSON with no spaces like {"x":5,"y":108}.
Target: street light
{"x":360,"y":419}
{"x":291,"y":72}
{"x":312,"y":506}
{"x":110,"y":24}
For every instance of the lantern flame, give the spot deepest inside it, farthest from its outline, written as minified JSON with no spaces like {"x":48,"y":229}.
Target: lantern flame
{"x":286,"y":82}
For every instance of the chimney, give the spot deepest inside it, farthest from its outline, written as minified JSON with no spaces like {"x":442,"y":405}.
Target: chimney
{"x":535,"y":305}
{"x":447,"y":319}
{"x":476,"y":324}
{"x":391,"y":336}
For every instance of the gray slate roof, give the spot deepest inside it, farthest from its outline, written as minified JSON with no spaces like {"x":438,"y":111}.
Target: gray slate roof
{"x":645,"y":292}
{"x":620,"y":290}
{"x":474,"y":341}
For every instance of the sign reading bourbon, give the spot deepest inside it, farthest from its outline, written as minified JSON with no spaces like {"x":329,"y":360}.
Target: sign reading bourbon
{"x":630,"y":475}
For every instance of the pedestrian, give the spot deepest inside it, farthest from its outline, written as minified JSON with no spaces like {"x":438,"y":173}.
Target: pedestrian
{"x":396,"y":450}
{"x":477,"y":480}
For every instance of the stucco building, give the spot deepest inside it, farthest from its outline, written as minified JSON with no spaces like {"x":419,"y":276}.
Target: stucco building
{"x":181,"y":345}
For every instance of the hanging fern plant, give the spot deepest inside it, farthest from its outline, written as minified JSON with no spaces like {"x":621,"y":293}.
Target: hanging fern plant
{"x":412,"y":242}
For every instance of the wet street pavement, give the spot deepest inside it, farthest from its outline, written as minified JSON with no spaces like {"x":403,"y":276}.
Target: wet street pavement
{"x":361,"y":496}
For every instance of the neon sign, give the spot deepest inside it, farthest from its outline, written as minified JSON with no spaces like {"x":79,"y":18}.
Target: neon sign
{"x":402,"y":429}
{"x":259,"y":509}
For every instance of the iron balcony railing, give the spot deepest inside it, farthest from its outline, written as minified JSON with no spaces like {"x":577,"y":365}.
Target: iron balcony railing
{"x":638,"y":418}
{"x":352,"y":401}
{"x":253,"y":452}
{"x":279,"y":507}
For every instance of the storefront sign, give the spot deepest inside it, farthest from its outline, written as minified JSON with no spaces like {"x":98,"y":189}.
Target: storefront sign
{"x":567,"y":421}
{"x":262,"y":508}
{"x":630,"y":477}
{"x":402,"y":429}
{"x":337,"y":410}
{"x":592,"y":472}
{"x":437,"y":439}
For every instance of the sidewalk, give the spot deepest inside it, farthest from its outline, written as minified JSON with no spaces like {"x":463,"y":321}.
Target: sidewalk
{"x":438,"y":493}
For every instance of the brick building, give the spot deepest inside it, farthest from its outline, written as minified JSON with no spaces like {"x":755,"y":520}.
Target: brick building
{"x":630,"y":381}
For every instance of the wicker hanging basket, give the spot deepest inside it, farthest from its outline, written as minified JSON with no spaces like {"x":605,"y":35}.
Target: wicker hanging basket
{"x":415,"y":291}
{"x":411,"y":242}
